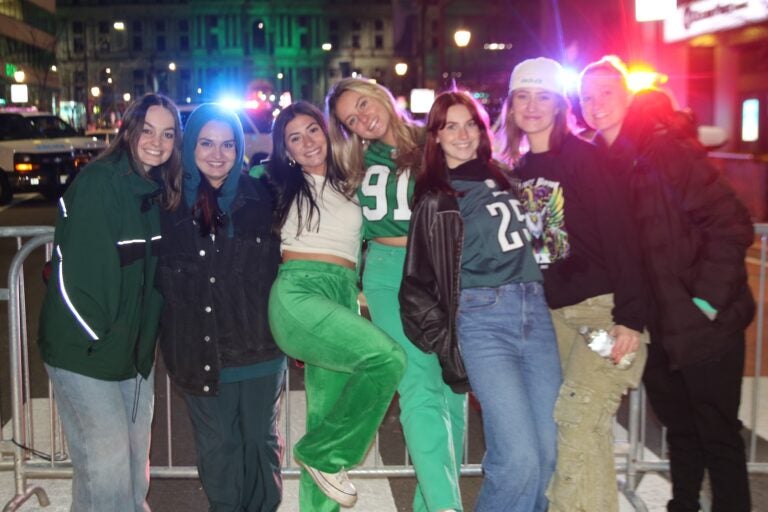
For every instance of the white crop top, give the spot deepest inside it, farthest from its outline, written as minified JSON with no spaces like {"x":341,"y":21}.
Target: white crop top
{"x":340,"y":226}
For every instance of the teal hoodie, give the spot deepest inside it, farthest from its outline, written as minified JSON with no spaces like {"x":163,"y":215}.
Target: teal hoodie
{"x":192,"y":176}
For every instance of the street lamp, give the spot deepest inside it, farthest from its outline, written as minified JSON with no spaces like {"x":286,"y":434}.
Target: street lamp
{"x":461,"y":37}
{"x":401,"y":68}
{"x":326,"y":47}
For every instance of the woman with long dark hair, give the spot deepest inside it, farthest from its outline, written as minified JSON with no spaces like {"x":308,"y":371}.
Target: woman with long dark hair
{"x":99,"y":321}
{"x":472,"y":289}
{"x":351,"y":367}
{"x":218,"y":259}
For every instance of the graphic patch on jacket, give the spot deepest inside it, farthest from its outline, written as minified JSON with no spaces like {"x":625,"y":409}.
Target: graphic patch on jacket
{"x":544,"y":207}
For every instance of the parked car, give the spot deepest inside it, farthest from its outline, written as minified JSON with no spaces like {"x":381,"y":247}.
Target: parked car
{"x":258,"y":143}
{"x":103,"y":134}
{"x":40,"y":152}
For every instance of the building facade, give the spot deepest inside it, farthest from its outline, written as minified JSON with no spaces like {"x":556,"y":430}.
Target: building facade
{"x":28,"y":37}
{"x":196,"y":50}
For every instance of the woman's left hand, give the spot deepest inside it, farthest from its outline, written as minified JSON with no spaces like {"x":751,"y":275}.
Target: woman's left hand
{"x":626,"y":342}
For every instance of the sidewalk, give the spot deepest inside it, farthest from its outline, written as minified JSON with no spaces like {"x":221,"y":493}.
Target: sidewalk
{"x":376,"y":494}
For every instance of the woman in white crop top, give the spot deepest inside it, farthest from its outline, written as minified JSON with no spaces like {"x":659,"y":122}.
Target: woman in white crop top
{"x":351,"y":367}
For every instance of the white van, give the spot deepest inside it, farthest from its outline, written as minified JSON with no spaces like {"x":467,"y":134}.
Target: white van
{"x":40,"y":152}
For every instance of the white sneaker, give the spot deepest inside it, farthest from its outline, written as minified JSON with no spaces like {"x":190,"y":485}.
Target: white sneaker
{"x":334,"y":485}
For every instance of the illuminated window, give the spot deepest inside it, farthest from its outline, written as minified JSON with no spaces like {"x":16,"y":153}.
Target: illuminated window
{"x":750,"y":120}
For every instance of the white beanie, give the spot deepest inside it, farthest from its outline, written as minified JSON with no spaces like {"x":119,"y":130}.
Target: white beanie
{"x":539,"y":72}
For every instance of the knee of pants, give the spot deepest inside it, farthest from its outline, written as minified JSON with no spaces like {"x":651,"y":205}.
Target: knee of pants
{"x":580,"y":411}
{"x":522,"y":461}
{"x":387,"y":366}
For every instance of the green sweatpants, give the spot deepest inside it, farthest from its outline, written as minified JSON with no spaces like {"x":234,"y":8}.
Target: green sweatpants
{"x":431,"y":414}
{"x":351,"y":373}
{"x":585,"y":476}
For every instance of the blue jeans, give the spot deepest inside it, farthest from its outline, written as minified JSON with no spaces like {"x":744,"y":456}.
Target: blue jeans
{"x":109,"y":449}
{"x":510,"y":352}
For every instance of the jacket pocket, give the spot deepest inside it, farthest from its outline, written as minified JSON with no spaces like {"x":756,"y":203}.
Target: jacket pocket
{"x":178,"y":280}
{"x":572,"y":405}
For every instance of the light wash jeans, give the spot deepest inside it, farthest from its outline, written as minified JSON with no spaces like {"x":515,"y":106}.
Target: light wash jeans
{"x":509,"y":349}
{"x":109,"y":449}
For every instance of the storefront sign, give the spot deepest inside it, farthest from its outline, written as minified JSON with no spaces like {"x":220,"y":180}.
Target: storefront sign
{"x":706,"y":16}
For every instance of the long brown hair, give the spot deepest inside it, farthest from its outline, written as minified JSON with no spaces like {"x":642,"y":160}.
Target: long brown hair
{"x":434,"y":175}
{"x":288,"y":178}
{"x":348,"y":148}
{"x":511,"y":136}
{"x":127,"y":140}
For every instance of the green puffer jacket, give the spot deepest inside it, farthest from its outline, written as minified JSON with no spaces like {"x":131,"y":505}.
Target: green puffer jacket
{"x":98,"y":318}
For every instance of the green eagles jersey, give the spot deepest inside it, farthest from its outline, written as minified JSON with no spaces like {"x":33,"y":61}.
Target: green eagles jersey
{"x":497,"y":245}
{"x":384,"y":194}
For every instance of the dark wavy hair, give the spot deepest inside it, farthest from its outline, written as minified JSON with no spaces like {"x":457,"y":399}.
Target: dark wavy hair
{"x":434,"y":175}
{"x":652,"y":114}
{"x":127,"y":140}
{"x":287,"y":177}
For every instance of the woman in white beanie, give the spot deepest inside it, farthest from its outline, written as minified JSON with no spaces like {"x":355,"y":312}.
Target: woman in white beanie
{"x":593,"y":279}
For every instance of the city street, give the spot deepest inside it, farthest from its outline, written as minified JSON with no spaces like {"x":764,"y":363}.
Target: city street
{"x":185,"y":494}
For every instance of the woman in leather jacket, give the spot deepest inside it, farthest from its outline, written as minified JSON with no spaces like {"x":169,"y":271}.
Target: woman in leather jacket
{"x":472,"y":293}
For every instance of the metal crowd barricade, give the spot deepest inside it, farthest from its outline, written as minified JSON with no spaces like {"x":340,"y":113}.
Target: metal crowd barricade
{"x":44,"y":456}
{"x":21,"y":399}
{"x":639,"y":461}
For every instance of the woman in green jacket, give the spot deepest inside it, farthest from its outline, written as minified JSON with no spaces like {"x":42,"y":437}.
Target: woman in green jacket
{"x":99,"y":320}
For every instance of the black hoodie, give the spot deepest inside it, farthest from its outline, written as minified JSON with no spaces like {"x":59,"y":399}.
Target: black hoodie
{"x":585,"y":239}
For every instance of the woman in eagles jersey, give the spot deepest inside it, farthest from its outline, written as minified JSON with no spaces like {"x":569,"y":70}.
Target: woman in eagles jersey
{"x":379,"y":148}
{"x":472,"y":289}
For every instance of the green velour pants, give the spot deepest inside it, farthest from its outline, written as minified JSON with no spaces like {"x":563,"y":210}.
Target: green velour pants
{"x":352,"y":368}
{"x":585,"y":477}
{"x":431,"y":414}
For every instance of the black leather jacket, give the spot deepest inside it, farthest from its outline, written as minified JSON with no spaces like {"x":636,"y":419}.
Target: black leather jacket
{"x":232,"y":277}
{"x":429,"y":292}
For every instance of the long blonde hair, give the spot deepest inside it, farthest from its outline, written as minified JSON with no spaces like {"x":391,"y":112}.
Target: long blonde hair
{"x":348,"y":148}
